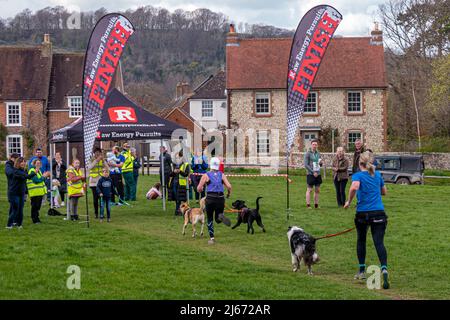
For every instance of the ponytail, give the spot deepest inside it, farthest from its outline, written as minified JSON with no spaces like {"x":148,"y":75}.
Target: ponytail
{"x":366,"y":160}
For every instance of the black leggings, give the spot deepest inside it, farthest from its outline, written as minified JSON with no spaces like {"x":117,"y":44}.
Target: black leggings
{"x":118,"y":185}
{"x":214,"y":207}
{"x":96,"y":200}
{"x":377,"y":223}
{"x":195,"y":181}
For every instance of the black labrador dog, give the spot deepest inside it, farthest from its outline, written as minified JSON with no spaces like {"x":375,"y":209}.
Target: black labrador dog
{"x":247,"y":215}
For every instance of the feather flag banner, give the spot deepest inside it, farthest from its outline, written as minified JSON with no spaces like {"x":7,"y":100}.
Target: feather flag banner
{"x":105,"y":47}
{"x":313,"y":35}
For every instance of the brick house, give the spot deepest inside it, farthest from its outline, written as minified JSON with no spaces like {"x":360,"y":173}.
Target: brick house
{"x":24,"y":83}
{"x":349,"y":92}
{"x":40,"y":91}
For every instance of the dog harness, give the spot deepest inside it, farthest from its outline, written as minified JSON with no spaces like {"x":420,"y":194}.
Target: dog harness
{"x":188,"y":212}
{"x":243,"y":212}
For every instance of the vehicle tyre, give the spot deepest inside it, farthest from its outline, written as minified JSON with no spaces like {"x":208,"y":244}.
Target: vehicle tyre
{"x":403,"y":181}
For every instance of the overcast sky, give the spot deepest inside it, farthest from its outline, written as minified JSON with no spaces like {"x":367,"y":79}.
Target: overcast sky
{"x":359,"y":15}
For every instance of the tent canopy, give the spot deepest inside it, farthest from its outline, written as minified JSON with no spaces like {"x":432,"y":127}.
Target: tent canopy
{"x":122,"y":119}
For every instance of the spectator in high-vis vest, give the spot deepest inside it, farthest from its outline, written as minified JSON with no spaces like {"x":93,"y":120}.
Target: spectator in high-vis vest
{"x":179,"y":181}
{"x":127,"y":173}
{"x":45,"y":167}
{"x":36,"y":188}
{"x":75,"y":188}
{"x":95,"y":170}
{"x":16,"y":193}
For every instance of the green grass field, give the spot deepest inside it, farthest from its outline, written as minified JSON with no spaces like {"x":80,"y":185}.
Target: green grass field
{"x":141,"y":254}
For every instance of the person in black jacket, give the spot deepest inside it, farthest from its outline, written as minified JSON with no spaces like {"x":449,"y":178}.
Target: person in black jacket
{"x":9,"y":172}
{"x":136,"y":166}
{"x":167,"y":162}
{"x":17,"y":191}
{"x":179,"y":181}
{"x":105,"y":190}
{"x":59,"y":168}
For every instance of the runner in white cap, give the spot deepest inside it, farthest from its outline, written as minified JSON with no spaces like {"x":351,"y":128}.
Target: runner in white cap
{"x":215,"y":199}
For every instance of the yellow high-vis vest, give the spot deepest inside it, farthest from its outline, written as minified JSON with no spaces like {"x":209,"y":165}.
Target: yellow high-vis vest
{"x":182,"y":181}
{"x":128,"y":164}
{"x":36,"y":189}
{"x":74,"y":187}
{"x":97,"y":170}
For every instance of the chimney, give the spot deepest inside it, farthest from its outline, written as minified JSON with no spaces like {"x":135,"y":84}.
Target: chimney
{"x":376,"y":35}
{"x":232,"y":37}
{"x":182,"y":89}
{"x":46,"y":46}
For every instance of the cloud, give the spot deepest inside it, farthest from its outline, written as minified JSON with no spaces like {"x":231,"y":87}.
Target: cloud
{"x":358,"y":14}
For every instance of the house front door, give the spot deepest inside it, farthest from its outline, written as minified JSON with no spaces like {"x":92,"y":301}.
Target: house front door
{"x":309,"y":136}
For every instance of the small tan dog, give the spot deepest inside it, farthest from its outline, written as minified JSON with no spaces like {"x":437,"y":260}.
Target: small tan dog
{"x":193,"y":216}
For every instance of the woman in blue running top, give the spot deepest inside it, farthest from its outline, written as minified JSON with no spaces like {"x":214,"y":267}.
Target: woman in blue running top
{"x":368,"y":186}
{"x":215,"y":199}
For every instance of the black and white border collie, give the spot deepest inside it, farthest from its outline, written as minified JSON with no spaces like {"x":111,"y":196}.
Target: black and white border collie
{"x":303,"y":246}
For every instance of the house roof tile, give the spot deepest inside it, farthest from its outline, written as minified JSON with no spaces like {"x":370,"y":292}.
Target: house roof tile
{"x":213,"y":88}
{"x":67,"y":69}
{"x":350,"y":62}
{"x":24,"y":73}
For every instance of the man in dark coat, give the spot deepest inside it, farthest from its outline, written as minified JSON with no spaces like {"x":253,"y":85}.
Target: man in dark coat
{"x":9,"y":172}
{"x":359,"y":149}
{"x":178,"y":183}
{"x":166,"y":159}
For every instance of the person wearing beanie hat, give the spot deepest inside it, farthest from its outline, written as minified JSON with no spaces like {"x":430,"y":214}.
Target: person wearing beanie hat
{"x":215,"y":199}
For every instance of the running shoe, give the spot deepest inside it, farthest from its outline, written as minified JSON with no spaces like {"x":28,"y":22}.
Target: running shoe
{"x":360,"y":276}
{"x":224,"y":219}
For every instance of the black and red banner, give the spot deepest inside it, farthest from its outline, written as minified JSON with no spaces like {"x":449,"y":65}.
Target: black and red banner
{"x":310,"y":42}
{"x":105,"y":47}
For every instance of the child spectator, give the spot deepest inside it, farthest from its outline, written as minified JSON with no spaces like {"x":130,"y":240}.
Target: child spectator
{"x":154,"y":192}
{"x":56,"y":196}
{"x":105,"y":190}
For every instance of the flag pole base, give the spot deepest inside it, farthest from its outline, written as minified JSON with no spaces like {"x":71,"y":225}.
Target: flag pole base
{"x":288,"y":214}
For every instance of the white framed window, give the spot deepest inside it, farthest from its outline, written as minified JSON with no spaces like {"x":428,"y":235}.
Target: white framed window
{"x":14,"y":144}
{"x":262,"y":103}
{"x":207,"y":109}
{"x":311,"y":103}
{"x":13,"y":114}
{"x":352,"y":136}
{"x":75,"y":107}
{"x":354,"y":101}
{"x":263,"y":143}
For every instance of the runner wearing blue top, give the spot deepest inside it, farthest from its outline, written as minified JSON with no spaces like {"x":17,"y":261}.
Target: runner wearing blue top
{"x":215,"y":199}
{"x":368,"y":186}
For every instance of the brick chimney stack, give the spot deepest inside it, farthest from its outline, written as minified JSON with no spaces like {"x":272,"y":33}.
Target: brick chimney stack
{"x":182,"y":89}
{"x":46,"y":46}
{"x":377,"y":35}
{"x":232,"y":37}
